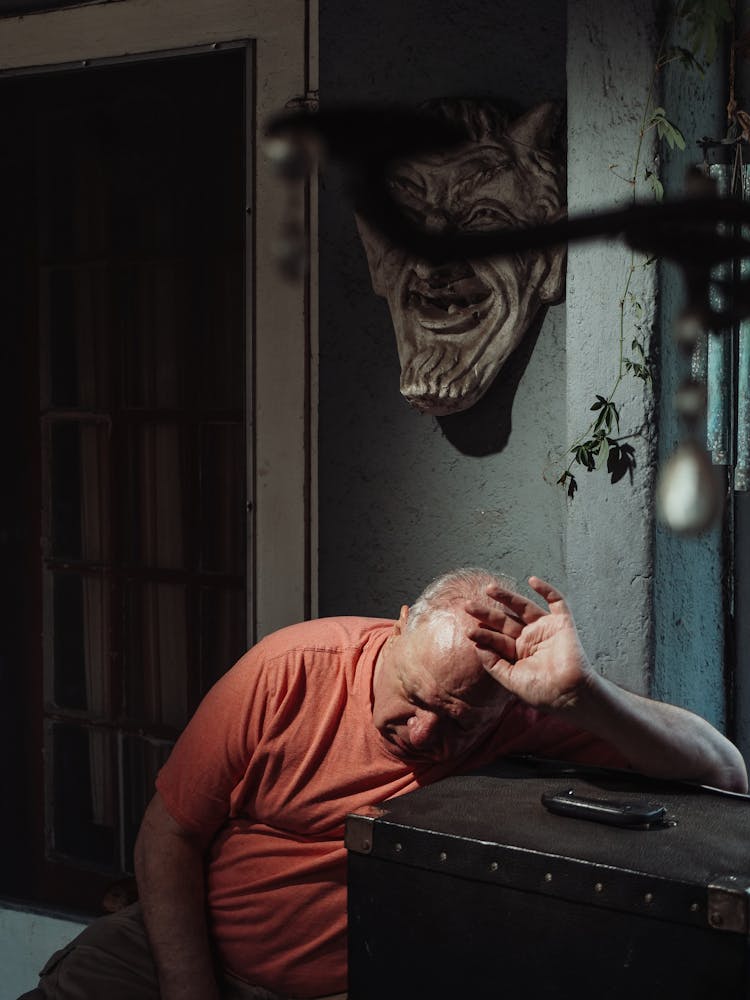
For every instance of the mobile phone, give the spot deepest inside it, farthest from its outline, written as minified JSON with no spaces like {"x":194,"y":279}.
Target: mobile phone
{"x":639,"y":813}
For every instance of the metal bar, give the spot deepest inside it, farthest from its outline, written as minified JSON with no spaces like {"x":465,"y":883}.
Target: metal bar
{"x":699,"y":359}
{"x":742,"y":465}
{"x":718,"y":388}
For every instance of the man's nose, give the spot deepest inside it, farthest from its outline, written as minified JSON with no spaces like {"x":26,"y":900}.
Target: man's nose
{"x":422,"y":728}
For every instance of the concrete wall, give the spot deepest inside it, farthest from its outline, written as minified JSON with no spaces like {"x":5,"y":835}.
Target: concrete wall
{"x":402,"y":496}
{"x":608,"y":541}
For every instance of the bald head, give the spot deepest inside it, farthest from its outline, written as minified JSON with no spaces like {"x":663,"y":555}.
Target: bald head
{"x":432,"y":695}
{"x":450,"y":592}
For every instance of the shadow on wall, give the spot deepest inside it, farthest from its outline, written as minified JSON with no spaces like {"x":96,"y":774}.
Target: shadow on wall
{"x":484,"y":429}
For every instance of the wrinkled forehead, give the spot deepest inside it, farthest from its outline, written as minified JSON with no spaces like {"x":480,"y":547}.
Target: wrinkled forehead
{"x":464,"y":161}
{"x":450,"y":664}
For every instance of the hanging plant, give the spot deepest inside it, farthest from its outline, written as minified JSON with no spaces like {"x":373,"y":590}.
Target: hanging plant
{"x":601,"y":445}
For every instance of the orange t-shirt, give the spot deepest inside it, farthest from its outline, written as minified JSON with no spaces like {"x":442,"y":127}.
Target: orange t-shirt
{"x":278,"y":752}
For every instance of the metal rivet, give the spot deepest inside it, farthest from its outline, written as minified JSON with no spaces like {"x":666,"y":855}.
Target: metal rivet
{"x":493,"y":866}
{"x":694,"y":907}
{"x":398,"y":848}
{"x":443,"y":856}
{"x":715,"y":919}
{"x":648,"y":898}
{"x":548,"y":877}
{"x":598,"y":887}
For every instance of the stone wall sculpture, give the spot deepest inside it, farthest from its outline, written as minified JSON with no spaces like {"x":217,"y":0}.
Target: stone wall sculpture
{"x":456,"y":324}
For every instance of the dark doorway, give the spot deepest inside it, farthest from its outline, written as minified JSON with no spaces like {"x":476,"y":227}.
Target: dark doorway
{"x":123,"y":504}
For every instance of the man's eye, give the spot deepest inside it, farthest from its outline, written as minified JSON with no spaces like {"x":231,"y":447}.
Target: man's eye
{"x":463,"y":721}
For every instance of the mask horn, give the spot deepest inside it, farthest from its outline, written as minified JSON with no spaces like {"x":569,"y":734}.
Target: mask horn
{"x":536,"y":128}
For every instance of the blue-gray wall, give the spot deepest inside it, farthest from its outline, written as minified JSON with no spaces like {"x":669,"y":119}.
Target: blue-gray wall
{"x":689,"y":599}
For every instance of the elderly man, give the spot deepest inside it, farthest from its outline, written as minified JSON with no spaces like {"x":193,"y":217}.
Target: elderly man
{"x":240,"y":858}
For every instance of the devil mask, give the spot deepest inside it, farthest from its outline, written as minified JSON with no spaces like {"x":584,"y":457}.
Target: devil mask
{"x":457,"y":323}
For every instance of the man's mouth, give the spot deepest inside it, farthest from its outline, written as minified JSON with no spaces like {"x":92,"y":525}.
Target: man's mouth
{"x":396,"y":741}
{"x":449,"y":306}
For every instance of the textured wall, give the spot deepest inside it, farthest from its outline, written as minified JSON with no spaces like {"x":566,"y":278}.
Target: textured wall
{"x":609,"y":527}
{"x":401,"y":497}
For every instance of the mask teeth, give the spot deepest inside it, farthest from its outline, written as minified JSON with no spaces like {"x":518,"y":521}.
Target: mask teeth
{"x":448,"y":303}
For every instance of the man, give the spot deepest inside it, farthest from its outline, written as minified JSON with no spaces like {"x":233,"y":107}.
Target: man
{"x":240,"y":858}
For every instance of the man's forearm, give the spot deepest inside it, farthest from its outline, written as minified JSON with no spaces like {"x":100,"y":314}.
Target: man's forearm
{"x":170,"y":873}
{"x":660,"y":740}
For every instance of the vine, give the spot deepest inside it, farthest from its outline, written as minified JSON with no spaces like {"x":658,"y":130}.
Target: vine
{"x":601,"y":445}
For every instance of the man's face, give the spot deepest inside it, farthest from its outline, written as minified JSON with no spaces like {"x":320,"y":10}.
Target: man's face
{"x":432,"y":698}
{"x":456,"y":324}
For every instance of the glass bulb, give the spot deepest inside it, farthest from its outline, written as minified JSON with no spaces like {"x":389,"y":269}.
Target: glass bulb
{"x":688,"y":498}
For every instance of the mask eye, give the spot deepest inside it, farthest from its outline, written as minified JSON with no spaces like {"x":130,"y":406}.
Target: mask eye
{"x":485,"y":217}
{"x":398,"y":183}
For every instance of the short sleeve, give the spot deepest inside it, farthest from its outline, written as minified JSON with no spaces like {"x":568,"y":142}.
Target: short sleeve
{"x":215,"y":749}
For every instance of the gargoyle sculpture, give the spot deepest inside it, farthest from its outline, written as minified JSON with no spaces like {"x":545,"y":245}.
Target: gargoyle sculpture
{"x":457,"y":322}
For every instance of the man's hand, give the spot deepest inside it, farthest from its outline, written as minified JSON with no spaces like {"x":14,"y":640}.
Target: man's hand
{"x":537,"y":654}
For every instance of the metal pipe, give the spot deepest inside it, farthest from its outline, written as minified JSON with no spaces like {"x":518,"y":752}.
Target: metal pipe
{"x":742,"y":465}
{"x":718,"y":384}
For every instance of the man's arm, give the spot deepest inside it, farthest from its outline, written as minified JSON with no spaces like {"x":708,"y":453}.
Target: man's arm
{"x":538,"y":656}
{"x":169,"y":866}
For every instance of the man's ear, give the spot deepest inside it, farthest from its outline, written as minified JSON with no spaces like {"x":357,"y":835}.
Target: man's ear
{"x":400,"y":625}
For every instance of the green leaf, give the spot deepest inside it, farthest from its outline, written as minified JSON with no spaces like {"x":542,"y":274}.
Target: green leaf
{"x":656,"y":186}
{"x":584,"y":455}
{"x":665,"y":129}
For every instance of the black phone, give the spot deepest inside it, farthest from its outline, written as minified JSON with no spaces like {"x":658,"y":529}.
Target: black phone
{"x":565,"y":802}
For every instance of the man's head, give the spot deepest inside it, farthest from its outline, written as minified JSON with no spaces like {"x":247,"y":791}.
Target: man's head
{"x":432,"y":697}
{"x":456,"y":324}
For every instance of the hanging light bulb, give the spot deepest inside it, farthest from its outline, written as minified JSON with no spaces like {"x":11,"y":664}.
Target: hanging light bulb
{"x":688,"y":497}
